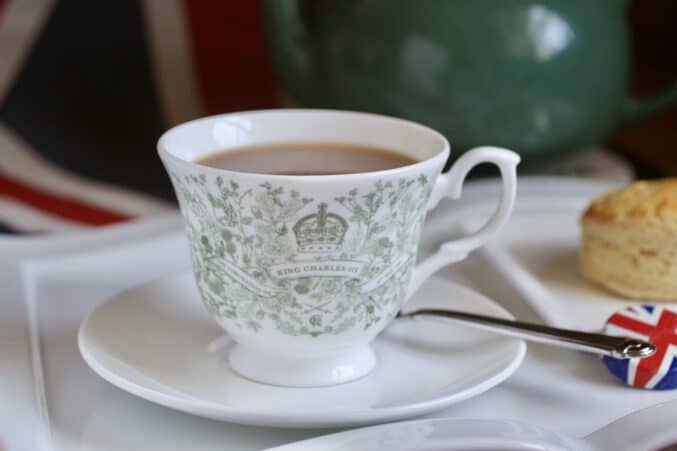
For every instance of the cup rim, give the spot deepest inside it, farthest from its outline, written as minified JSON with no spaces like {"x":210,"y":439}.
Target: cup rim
{"x":443,"y":154}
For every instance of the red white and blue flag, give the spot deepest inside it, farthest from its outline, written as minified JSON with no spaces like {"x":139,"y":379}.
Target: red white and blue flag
{"x":87,"y":87}
{"x":657,"y":325}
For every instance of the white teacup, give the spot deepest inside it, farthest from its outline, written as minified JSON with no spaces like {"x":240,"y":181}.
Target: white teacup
{"x":302,"y":307}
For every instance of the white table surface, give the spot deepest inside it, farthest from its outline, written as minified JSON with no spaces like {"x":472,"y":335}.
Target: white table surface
{"x":50,"y":400}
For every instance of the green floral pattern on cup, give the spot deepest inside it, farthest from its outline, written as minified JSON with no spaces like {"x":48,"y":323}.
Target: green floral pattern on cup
{"x":312,"y":267}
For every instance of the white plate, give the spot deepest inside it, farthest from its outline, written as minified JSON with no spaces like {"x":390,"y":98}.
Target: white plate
{"x":652,"y":429}
{"x":448,"y":434}
{"x":157,"y":342}
{"x":537,"y":252}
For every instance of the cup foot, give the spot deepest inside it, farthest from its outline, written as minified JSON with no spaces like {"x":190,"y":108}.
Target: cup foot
{"x":302,"y":371}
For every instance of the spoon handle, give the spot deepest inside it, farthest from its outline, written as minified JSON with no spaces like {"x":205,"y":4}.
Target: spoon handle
{"x":618,"y":347}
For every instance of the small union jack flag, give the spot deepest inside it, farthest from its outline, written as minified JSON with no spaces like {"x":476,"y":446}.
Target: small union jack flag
{"x":657,"y":325}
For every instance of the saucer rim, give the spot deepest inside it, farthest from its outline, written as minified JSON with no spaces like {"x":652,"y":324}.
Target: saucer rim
{"x":315,"y":419}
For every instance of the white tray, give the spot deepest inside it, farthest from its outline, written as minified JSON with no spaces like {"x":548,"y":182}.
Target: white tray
{"x":52,"y":401}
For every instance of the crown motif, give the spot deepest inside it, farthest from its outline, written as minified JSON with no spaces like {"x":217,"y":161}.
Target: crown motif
{"x":320,"y":232}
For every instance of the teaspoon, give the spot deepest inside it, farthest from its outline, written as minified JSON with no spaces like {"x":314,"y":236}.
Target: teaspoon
{"x":618,"y":347}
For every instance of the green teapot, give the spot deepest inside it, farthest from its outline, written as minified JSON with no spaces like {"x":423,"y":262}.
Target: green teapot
{"x":542,"y":77}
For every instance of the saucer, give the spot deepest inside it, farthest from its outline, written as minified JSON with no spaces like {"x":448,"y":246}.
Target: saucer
{"x":158,"y":342}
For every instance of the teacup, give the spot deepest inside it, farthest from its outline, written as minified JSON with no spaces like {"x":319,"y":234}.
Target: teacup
{"x":302,"y":312}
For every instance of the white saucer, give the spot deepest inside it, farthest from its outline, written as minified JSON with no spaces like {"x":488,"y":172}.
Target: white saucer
{"x":157,"y":341}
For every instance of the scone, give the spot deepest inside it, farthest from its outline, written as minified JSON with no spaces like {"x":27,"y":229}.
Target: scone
{"x":629,"y":241}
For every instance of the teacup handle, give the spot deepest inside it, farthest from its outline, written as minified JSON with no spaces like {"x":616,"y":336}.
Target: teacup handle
{"x":450,"y":184}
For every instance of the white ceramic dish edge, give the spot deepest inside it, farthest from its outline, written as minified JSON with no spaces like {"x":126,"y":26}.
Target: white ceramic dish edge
{"x":293,"y":419}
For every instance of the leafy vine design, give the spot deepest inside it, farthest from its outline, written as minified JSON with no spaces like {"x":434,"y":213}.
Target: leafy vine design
{"x":269,"y":253}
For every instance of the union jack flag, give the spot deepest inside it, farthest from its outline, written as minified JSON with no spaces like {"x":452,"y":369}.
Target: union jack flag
{"x":87,"y":87}
{"x":655,"y":324}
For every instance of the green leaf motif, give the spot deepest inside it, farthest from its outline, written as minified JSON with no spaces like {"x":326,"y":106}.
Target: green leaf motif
{"x":281,"y":240}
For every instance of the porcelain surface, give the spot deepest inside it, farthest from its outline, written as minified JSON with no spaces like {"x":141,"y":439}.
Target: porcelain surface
{"x":651,"y":429}
{"x":304,"y":271}
{"x":156,"y":341}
